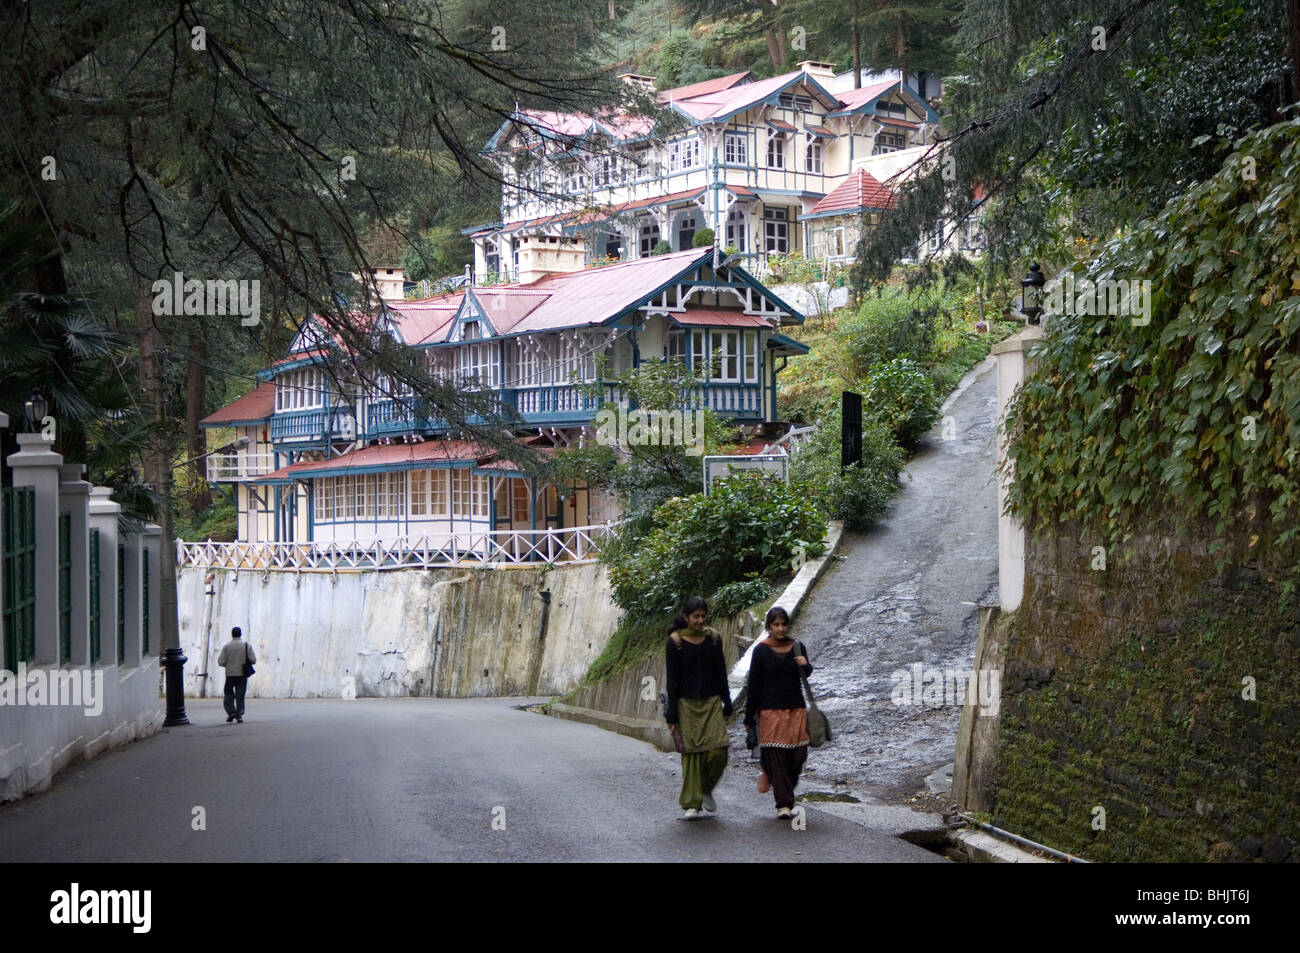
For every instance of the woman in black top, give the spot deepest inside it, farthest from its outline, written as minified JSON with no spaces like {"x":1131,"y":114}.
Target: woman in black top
{"x":698,"y":705}
{"x":775,"y":713}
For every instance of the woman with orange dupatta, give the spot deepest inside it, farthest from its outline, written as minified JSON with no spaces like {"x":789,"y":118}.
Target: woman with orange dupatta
{"x":776,"y":716}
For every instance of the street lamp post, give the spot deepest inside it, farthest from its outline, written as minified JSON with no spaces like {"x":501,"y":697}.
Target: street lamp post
{"x":1031,"y":291}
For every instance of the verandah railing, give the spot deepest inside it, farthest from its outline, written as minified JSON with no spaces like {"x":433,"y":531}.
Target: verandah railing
{"x":488,"y":548}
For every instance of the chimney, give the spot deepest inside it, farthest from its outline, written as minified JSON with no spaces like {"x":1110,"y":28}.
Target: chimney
{"x":389,"y":281}
{"x":818,"y":70}
{"x":543,"y":255}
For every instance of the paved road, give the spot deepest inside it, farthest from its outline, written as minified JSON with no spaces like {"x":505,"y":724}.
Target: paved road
{"x":407,"y":780}
{"x":905,"y":593}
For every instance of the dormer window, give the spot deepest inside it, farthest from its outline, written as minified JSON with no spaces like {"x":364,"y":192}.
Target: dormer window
{"x":470,"y":331}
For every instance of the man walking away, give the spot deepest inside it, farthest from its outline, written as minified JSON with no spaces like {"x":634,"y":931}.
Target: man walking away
{"x":232,"y":658}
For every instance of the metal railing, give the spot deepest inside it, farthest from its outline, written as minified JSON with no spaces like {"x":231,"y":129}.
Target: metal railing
{"x":488,"y":548}
{"x":237,"y":467}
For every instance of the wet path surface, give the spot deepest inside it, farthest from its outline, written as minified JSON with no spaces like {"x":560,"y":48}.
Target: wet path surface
{"x":903,"y":594}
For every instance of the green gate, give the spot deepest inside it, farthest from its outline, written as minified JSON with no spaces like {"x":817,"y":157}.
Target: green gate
{"x":65,"y":588}
{"x":94,"y":597}
{"x":121,"y":604}
{"x":19,"y":558}
{"x":144,"y":591}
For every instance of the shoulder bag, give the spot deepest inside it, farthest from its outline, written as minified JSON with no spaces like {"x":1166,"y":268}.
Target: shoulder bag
{"x":819,"y":729}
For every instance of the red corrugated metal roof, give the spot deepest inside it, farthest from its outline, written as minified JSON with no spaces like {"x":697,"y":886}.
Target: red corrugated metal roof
{"x":897,"y":122}
{"x":505,"y":309}
{"x":425,"y":321}
{"x":781,"y":124}
{"x":726,"y":101}
{"x":860,"y":190}
{"x":853,"y":98}
{"x":720,"y":318}
{"x":301,"y":356}
{"x":817,"y":130}
{"x":257,"y":404}
{"x":704,"y":87}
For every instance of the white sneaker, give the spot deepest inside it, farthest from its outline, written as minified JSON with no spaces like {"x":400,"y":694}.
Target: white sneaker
{"x":709,"y":804}
{"x":783,"y":813}
{"x":690,"y":814}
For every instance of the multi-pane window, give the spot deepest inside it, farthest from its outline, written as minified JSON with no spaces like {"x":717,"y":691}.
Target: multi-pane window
{"x":429,"y":492}
{"x":324,"y":499}
{"x":791,"y":101}
{"x":344,"y":494}
{"x":480,"y":497}
{"x":735,"y":148}
{"x":776,"y":230}
{"x":684,"y":154}
{"x":479,"y":362}
{"x":813,"y":157}
{"x":392,"y":495}
{"x":698,"y":350}
{"x":677,"y":346}
{"x":890,"y":142}
{"x":420,"y":492}
{"x":725,"y":362}
{"x":366,"y":496}
{"x":649,"y":238}
{"x":775,"y":150}
{"x":686,"y":226}
{"x":751,"y":356}
{"x":575,"y":178}
{"x":300,"y":390}
{"x":460,"y":493}
{"x":737,"y":233}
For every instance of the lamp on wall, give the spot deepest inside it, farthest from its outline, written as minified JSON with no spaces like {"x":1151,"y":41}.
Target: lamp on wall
{"x":1031,"y":291}
{"x":34,"y":410}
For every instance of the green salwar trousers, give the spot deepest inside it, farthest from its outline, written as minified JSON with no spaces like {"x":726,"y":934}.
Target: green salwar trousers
{"x":700,"y":772}
{"x":704,"y":734}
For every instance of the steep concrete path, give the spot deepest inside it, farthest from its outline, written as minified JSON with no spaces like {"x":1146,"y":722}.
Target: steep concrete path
{"x":902,"y":594}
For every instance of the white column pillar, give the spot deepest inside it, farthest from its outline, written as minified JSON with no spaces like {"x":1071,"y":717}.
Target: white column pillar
{"x":74,"y":499}
{"x":1013,"y":367}
{"x":37,"y":466}
{"x":103,"y":517}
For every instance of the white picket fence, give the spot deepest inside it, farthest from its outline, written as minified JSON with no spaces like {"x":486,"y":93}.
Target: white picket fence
{"x":495,"y":548}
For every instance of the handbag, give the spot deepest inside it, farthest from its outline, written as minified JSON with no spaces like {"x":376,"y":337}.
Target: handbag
{"x":248,"y":666}
{"x":819,"y":729}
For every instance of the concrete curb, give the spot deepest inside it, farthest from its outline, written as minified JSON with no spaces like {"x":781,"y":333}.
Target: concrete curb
{"x":653,"y":730}
{"x":981,"y":847}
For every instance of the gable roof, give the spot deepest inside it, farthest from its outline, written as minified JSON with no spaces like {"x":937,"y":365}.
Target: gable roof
{"x":704,"y":87}
{"x":254,"y":407}
{"x":861,"y":190}
{"x":724,"y":103}
{"x":864,"y":100}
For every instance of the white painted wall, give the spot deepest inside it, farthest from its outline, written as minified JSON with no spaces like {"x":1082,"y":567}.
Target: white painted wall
{"x":444,"y":632}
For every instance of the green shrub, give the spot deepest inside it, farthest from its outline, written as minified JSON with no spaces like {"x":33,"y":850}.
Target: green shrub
{"x":661,"y":248}
{"x":885,"y":328}
{"x":900,"y":395}
{"x":697,"y":544}
{"x":735,"y":597}
{"x":703,"y":238}
{"x":858,"y":495}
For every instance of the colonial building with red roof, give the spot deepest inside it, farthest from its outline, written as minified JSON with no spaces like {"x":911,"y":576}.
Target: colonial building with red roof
{"x":745,"y":157}
{"x":336,"y":459}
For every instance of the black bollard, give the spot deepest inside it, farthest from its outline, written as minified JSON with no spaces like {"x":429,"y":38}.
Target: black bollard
{"x":173,"y":663}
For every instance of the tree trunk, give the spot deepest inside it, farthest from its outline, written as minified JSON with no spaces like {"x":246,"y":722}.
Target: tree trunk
{"x":157,"y":466}
{"x":775,"y":48}
{"x":901,"y":47}
{"x":855,"y":42}
{"x":196,"y":387}
{"x":1293,"y":45}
